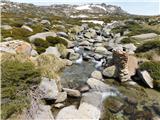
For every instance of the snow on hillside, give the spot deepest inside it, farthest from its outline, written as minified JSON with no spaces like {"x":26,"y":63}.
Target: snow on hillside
{"x":83,"y":7}
{"x":94,"y":21}
{"x":98,"y":6}
{"x":79,"y":16}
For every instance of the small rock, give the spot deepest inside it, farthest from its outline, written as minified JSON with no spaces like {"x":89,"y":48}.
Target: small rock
{"x":62,"y":96}
{"x":83,"y":88}
{"x":84,"y":43}
{"x":45,"y":22}
{"x":96,"y":74}
{"x":71,"y":92}
{"x":59,"y":105}
{"x":109,"y":71}
{"x":62,"y":34}
{"x":27,"y":28}
{"x":98,"y":56}
{"x":74,"y":56}
{"x":68,"y":62}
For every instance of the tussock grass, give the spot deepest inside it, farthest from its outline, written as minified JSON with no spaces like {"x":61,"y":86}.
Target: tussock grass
{"x":50,"y":65}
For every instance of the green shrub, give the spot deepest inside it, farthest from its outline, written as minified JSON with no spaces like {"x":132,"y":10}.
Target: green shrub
{"x":126,"y":40}
{"x":41,"y":45}
{"x":17,"y":78}
{"x":50,"y":65}
{"x":56,"y":40}
{"x":153,"y":68}
{"x":154,"y":44}
{"x":16,"y":33}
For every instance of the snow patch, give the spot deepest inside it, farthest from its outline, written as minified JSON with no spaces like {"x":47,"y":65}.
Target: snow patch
{"x":98,"y":6}
{"x":79,"y":16}
{"x":84,"y":7}
{"x":94,"y":21}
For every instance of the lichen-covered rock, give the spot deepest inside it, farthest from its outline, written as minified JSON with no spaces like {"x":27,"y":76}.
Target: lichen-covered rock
{"x":16,"y":46}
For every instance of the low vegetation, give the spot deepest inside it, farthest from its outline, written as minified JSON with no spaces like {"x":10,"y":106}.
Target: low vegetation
{"x":154,"y":69}
{"x":16,"y":33}
{"x":41,"y":44}
{"x":50,"y":65}
{"x":17,"y":77}
{"x":149,"y":45}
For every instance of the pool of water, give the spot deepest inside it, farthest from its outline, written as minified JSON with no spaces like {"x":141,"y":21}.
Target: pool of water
{"x":77,"y":74}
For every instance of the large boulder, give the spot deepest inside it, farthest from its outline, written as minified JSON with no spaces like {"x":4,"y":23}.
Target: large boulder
{"x":97,"y":75}
{"x":145,"y":76}
{"x":89,"y":108}
{"x":53,"y":51}
{"x":44,"y":113}
{"x":42,"y":35}
{"x":109,"y":71}
{"x":98,"y":85}
{"x":145,"y":36}
{"x":49,"y":88}
{"x":72,"y":92}
{"x":69,"y":113}
{"x":16,"y":46}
